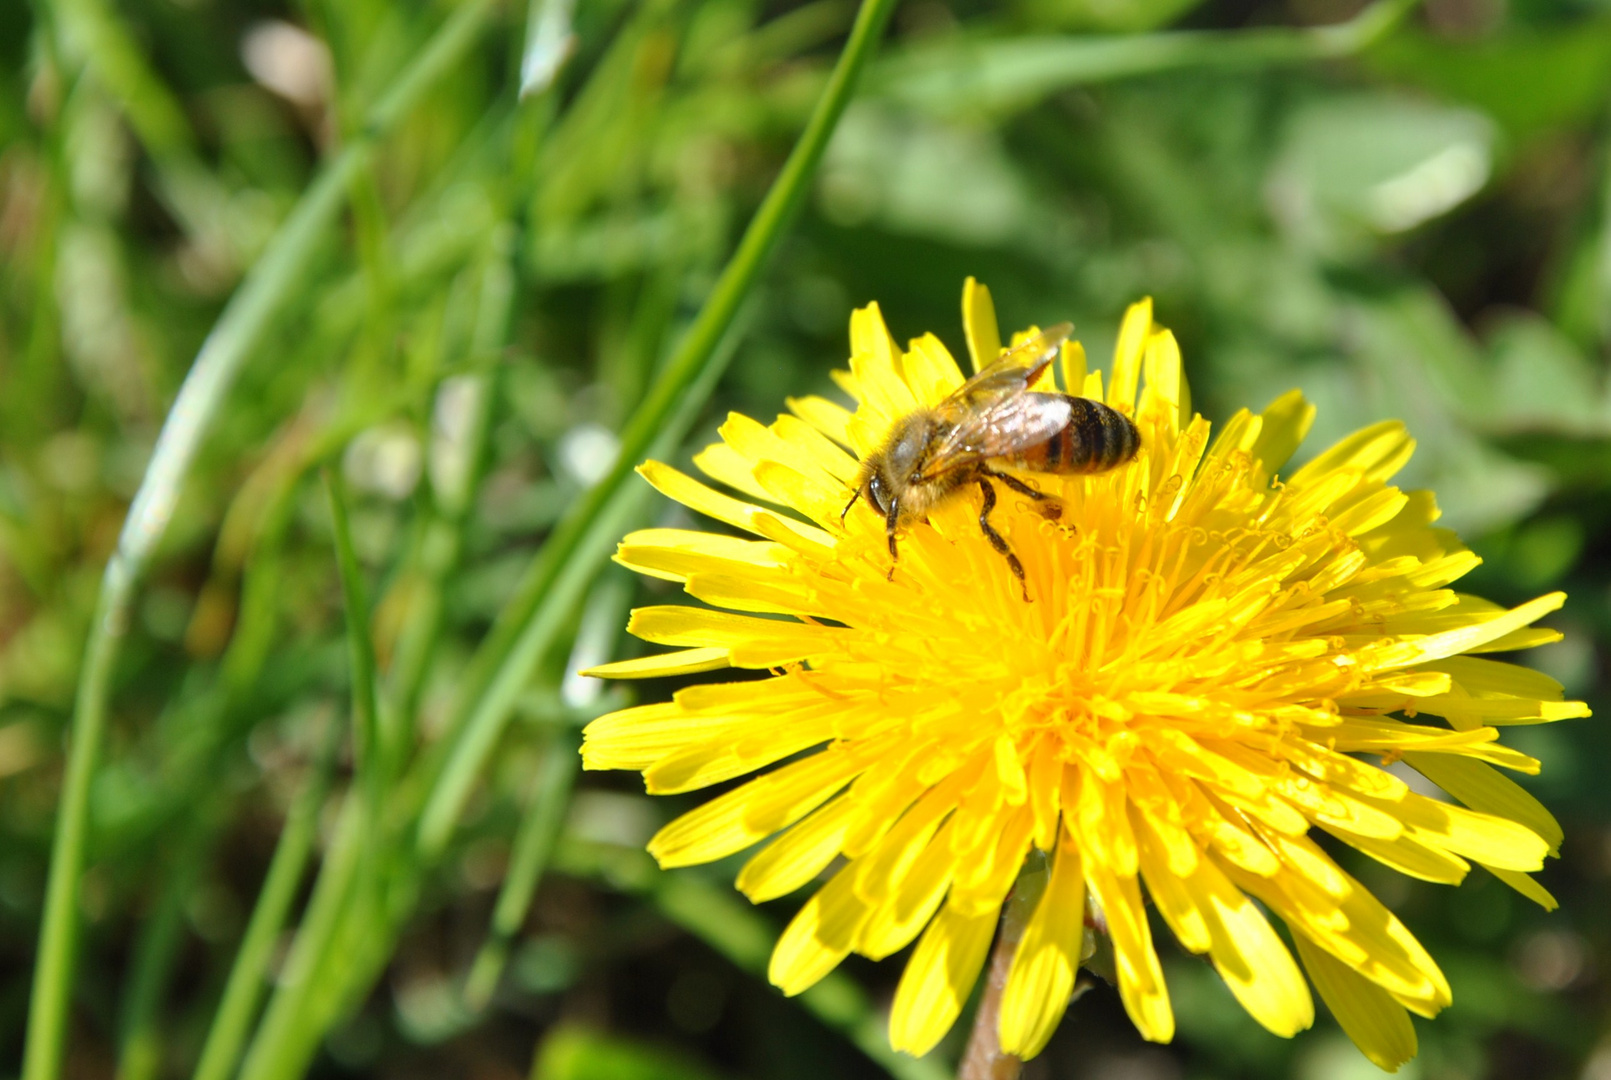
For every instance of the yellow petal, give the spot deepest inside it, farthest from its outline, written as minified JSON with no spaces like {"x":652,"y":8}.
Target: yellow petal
{"x":1045,"y":781}
{"x":1141,"y":982}
{"x":637,"y":737}
{"x":1092,"y":387}
{"x":1047,"y":959}
{"x":1249,"y":956}
{"x":1072,"y":362}
{"x":1409,"y":855}
{"x":712,"y":503}
{"x":1165,"y":390}
{"x":1170,"y":891}
{"x":1378,"y":1025}
{"x":979,"y":324}
{"x":818,"y":937}
{"x":986,"y":873}
{"x":818,"y":448}
{"x":753,"y":642}
{"x":726,"y":465}
{"x":682,"y":662}
{"x":1371,"y":512}
{"x":1491,"y":677}
{"x":1484,"y":788}
{"x":1376,"y":450}
{"x":1285,"y":423}
{"x":822,"y":500}
{"x":673,"y":554}
{"x":883,"y":865}
{"x":938,"y":979}
{"x":1462,"y":639}
{"x":1483,"y":838}
{"x":819,"y":461}
{"x":696,"y":496}
{"x":830,"y":418}
{"x":738,"y":748}
{"x":760,"y":808}
{"x":1134,"y":333}
{"x":875,"y":366}
{"x":930,"y":371}
{"x":906,"y":906}
{"x":797,"y":856}
{"x":1360,"y":932}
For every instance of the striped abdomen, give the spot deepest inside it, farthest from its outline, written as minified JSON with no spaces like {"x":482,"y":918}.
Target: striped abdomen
{"x":1095,"y":439}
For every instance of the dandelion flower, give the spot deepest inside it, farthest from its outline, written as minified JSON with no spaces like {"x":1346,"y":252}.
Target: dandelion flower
{"x":1219,"y":660}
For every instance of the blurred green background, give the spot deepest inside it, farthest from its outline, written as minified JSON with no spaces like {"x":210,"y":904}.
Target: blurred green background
{"x":1406,"y":219}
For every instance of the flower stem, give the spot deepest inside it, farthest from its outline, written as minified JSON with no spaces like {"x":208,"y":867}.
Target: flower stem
{"x":983,"y":1059}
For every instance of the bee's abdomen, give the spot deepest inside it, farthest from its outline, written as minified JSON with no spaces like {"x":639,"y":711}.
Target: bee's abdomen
{"x":1095,"y":439}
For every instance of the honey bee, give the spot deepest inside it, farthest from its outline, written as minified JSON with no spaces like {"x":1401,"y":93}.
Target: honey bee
{"x":992,"y":419}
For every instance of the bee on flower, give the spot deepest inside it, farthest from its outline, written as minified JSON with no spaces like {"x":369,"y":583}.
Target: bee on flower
{"x":1220,"y":659}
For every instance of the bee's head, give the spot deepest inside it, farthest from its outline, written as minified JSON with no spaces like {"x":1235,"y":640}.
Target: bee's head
{"x":898,"y":466}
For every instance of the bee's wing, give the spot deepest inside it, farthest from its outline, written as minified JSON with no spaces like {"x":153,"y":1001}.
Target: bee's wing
{"x":1013,"y":422}
{"x":1012,"y":371}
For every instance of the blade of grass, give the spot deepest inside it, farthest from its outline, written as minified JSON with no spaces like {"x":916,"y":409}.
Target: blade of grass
{"x":524,"y":628}
{"x":140,"y":1052}
{"x":549,"y":43}
{"x":270,"y":1051}
{"x":602,"y":619}
{"x":1005,"y":74}
{"x":350,"y":939}
{"x":93,"y":35}
{"x":356,"y":943}
{"x":369,"y":749}
{"x":534,"y":844}
{"x":246,"y":982}
{"x":282,"y":1042}
{"x":736,"y":931}
{"x":264,"y":293}
{"x":226,"y":715}
{"x":453,"y":491}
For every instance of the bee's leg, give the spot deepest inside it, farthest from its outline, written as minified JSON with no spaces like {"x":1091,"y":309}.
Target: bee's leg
{"x":1016,"y":484}
{"x":848,"y":505}
{"x":890,"y":519}
{"x":995,"y":538}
